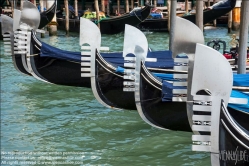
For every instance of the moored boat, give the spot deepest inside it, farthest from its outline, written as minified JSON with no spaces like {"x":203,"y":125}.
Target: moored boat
{"x":113,"y":25}
{"x":8,"y":36}
{"x":209,"y":14}
{"x":65,"y":67}
{"x":113,"y":84}
{"x":162,"y":102}
{"x":47,"y":15}
{"x":223,"y":134}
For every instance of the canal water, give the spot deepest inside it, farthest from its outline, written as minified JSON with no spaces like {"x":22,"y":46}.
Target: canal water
{"x":43,"y":122}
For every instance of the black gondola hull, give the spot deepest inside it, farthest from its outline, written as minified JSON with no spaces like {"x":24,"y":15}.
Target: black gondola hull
{"x":18,"y":63}
{"x":232,"y":144}
{"x":168,"y":115}
{"x":57,"y":71}
{"x":109,"y":85}
{"x":109,"y":26}
{"x":162,"y":24}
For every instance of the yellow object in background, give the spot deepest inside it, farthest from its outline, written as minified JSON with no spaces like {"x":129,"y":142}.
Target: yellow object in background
{"x":90,"y":15}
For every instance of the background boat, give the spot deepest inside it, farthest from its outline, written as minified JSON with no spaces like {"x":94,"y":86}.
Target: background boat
{"x":209,"y":15}
{"x":112,"y":25}
{"x":46,"y":17}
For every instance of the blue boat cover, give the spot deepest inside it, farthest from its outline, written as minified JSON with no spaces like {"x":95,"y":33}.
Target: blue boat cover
{"x":168,"y":77}
{"x":120,"y":69}
{"x":241,"y":107}
{"x":53,"y":52}
{"x":155,"y":15}
{"x":164,"y":58}
{"x":167,"y":91}
{"x":241,"y":80}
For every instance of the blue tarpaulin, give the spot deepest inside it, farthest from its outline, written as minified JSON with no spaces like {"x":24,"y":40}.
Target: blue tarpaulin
{"x":155,"y":15}
{"x":241,"y":107}
{"x":164,"y":58}
{"x":167,"y":90}
{"x":241,"y":80}
{"x":238,"y":79}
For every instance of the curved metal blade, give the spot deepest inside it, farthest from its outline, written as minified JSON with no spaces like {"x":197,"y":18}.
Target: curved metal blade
{"x":187,"y":35}
{"x":16,"y":17}
{"x":134,"y":37}
{"x":89,"y":33}
{"x":213,"y":72}
{"x":30,"y":15}
{"x":8,"y":24}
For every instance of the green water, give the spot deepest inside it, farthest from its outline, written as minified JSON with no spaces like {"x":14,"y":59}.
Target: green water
{"x":40,"y":117}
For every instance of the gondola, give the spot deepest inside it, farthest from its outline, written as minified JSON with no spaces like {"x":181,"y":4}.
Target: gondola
{"x":18,"y":59}
{"x":45,"y":16}
{"x":61,"y":67}
{"x":162,"y":102}
{"x":156,"y":106}
{"x":48,"y":15}
{"x":112,"y":88}
{"x":110,"y":84}
{"x":8,"y":36}
{"x":56,"y":66}
{"x":30,"y":16}
{"x":226,"y":136}
{"x":216,"y":11}
{"x":116,"y":24}
{"x":233,"y":138}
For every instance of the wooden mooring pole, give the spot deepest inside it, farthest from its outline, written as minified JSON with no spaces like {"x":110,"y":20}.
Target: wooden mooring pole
{"x":76,"y":9}
{"x":132,"y":4}
{"x":155,"y":3}
{"x":168,"y":9}
{"x":127,"y":6}
{"x":118,"y":5}
{"x":236,"y":15}
{"x":243,"y":37}
{"x":21,"y":5}
{"x":41,"y":4}
{"x":199,"y":14}
{"x":173,"y":5}
{"x":230,"y":20}
{"x":52,"y":26}
{"x":108,"y":8}
{"x":103,"y":6}
{"x":66,"y":17}
{"x":96,"y":3}
{"x":186,"y":6}
{"x":215,"y":21}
